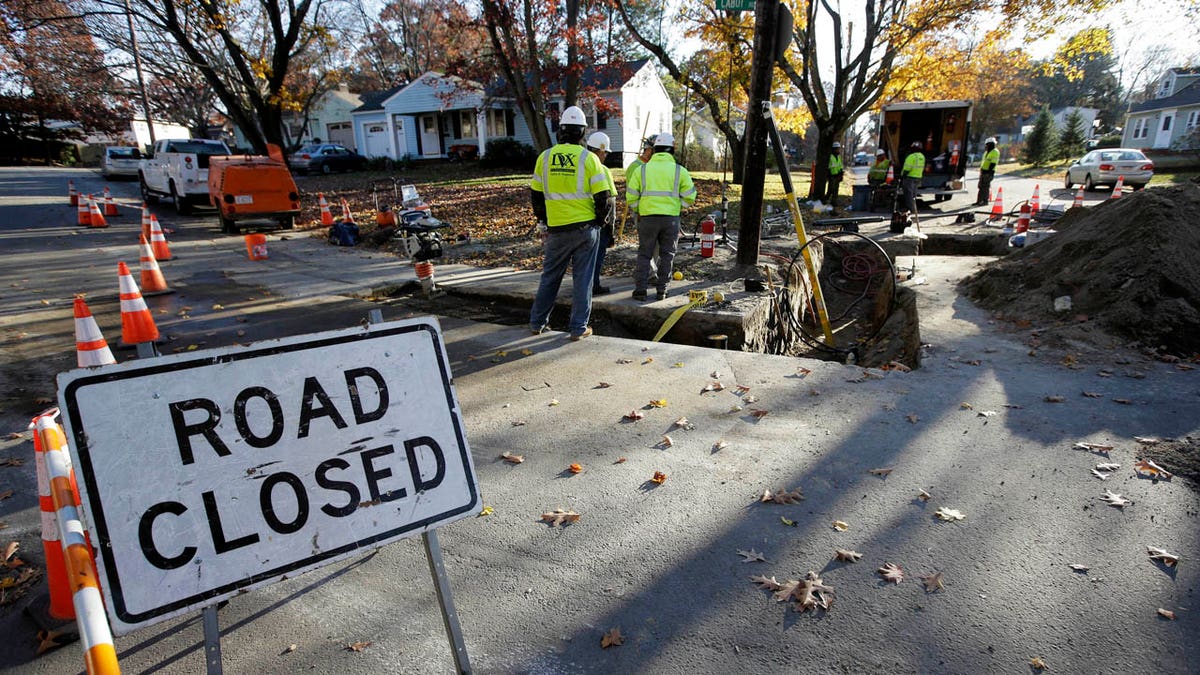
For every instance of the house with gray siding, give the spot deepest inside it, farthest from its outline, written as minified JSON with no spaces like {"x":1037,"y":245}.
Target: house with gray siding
{"x":1170,"y":120}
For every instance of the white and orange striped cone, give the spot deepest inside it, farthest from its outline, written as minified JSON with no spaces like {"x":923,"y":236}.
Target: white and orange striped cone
{"x":158,"y":242}
{"x":425,"y":276}
{"x":90,"y":347}
{"x":145,"y":220}
{"x":998,"y":205}
{"x":1023,"y":219}
{"x":110,"y":207}
{"x":347,"y":216}
{"x":84,"y":213}
{"x":1118,"y":188}
{"x":97,"y":218}
{"x":326,"y":214}
{"x":153,"y":282}
{"x":72,"y":195}
{"x":1035,"y":202}
{"x":60,"y":606}
{"x":1078,"y":197}
{"x":137,"y":324}
{"x":79,"y":573}
{"x":891,"y":175}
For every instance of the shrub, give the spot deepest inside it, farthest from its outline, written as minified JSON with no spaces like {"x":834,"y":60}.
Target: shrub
{"x":508,"y":153}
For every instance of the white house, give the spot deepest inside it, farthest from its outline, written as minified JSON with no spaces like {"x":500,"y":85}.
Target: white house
{"x":1172,"y":118}
{"x":328,"y":119}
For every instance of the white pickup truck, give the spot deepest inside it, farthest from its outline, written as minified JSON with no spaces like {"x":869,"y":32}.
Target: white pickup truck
{"x":177,"y":169}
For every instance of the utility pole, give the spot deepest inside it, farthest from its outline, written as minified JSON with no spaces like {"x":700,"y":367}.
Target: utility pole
{"x":762,"y":67}
{"x":137,"y":66}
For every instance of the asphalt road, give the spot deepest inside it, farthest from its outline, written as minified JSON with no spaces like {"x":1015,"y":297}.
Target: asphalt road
{"x":972,"y":427}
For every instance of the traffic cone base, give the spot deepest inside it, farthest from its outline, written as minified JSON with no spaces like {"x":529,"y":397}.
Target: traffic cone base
{"x":158,"y":241}
{"x":83,"y":212}
{"x":998,"y":205}
{"x":97,"y":219}
{"x":137,"y":324}
{"x":1023,"y":219}
{"x":152,"y":280}
{"x":90,"y":347}
{"x":110,"y":207}
{"x":72,"y":195}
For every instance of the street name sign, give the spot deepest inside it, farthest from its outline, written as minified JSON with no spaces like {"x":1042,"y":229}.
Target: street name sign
{"x":735,"y":5}
{"x":205,"y":474}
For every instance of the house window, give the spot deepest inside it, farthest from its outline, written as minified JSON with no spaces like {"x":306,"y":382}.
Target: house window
{"x":1193,"y":117}
{"x":1166,"y":123}
{"x":467,"y":122}
{"x":495,"y":124}
{"x":554,"y":117}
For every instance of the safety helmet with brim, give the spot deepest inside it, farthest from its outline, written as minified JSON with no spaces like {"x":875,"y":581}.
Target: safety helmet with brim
{"x":599,"y":141}
{"x":664,"y":140}
{"x":573,"y":116}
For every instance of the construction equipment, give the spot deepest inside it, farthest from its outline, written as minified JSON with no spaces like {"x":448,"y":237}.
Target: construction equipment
{"x":941,"y":127}
{"x":419,"y":232}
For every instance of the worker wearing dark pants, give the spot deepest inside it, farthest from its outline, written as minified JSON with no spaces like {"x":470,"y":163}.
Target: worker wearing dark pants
{"x":987,"y":171}
{"x":834,"y":180}
{"x":658,"y":190}
{"x":910,"y":176}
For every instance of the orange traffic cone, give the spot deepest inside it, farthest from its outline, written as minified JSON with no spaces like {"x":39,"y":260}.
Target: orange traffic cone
{"x":998,"y":205}
{"x":326,"y":215}
{"x":1116,"y":193}
{"x":346,"y":215}
{"x":145,"y":220}
{"x":1035,"y":204}
{"x":97,"y":218}
{"x":1078,"y":198}
{"x":158,"y":242}
{"x":84,"y":213}
{"x":72,"y":195}
{"x":891,"y":175}
{"x":110,"y":207}
{"x":61,"y":605}
{"x":90,"y":347}
{"x":137,"y":324}
{"x":153,"y":281}
{"x":1023,"y":219}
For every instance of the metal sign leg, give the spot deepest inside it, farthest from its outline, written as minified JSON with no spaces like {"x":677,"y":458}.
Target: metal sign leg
{"x":441,"y":583}
{"x":212,"y":640}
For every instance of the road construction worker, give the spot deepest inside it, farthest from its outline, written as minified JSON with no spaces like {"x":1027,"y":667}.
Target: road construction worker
{"x":834,"y":181}
{"x":643,"y":157}
{"x":910,"y":175}
{"x":878,"y":172}
{"x":987,"y":171}
{"x":599,"y":143}
{"x":657,"y":191}
{"x":569,"y":192}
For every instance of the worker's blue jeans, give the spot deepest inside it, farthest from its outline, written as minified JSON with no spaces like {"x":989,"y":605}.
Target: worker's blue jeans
{"x":577,"y":249}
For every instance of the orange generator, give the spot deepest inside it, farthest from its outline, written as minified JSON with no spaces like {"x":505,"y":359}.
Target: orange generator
{"x":253,"y":188}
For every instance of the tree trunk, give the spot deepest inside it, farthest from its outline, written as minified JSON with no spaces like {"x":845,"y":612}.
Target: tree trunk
{"x":761,"y":70}
{"x":571,"y":85}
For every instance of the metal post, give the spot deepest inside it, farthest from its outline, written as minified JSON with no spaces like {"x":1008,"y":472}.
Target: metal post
{"x":137,"y":66}
{"x":212,"y":640}
{"x":441,"y":582}
{"x":147,"y":350}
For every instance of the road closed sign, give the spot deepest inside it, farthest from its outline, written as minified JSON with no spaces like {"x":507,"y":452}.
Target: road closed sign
{"x":208,"y":473}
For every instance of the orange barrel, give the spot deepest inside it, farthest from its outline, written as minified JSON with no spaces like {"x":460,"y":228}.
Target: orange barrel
{"x":256,"y":246}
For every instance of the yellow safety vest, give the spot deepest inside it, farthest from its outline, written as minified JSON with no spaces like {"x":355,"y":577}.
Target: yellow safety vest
{"x":835,"y":165}
{"x":569,"y":175}
{"x":660,"y":187}
{"x":914,"y":165}
{"x":879,"y":170}
{"x":990,"y":159}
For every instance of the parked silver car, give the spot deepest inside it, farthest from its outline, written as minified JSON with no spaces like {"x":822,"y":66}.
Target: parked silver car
{"x":120,"y":161}
{"x":1104,"y":167}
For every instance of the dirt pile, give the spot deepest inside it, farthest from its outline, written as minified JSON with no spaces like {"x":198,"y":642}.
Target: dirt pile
{"x":1130,"y":266}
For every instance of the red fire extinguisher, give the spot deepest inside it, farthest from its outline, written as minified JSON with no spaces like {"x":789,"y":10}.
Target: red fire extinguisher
{"x":708,"y":236}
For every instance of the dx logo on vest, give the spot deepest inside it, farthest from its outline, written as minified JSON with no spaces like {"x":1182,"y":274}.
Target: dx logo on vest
{"x":562,"y":160}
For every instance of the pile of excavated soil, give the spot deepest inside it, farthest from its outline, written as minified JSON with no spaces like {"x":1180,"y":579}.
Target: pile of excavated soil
{"x":1130,"y":266}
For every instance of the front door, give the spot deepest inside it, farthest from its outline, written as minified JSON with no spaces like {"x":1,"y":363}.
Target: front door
{"x":431,"y":145}
{"x":401,"y":136}
{"x":1165,"y":122}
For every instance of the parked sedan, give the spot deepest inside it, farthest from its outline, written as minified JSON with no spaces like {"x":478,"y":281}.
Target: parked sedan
{"x":120,"y":161}
{"x":325,"y":158}
{"x":1104,"y":167}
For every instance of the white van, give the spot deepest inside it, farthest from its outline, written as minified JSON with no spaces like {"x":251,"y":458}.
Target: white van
{"x":120,"y":161}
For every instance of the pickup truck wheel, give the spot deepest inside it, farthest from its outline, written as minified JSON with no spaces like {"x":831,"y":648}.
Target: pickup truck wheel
{"x":182,"y":206}
{"x":148,"y":197}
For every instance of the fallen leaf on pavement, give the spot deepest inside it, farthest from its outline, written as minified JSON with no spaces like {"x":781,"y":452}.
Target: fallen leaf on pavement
{"x":750,"y":399}
{"x":612,"y":638}
{"x":716,"y":374}
{"x":358,"y":646}
{"x":759,"y":414}
{"x":47,"y":640}
{"x":1055,"y":399}
{"x":720,"y":445}
{"x":1107,"y":466}
{"x":1166,"y":614}
{"x":659,"y":478}
{"x":6,"y":494}
{"x":924,"y":496}
{"x":1114,"y":499}
{"x":1079,"y":568}
{"x":810,"y":593}
{"x":1102,"y":475}
{"x":12,"y":461}
{"x":512,"y":459}
{"x":1147,"y":467}
{"x":624,"y":361}
{"x":846,"y":556}
{"x":560,"y":517}
{"x":634,"y":415}
{"x":933,"y":582}
{"x":43,"y":400}
{"x":486,"y":511}
{"x":1123,"y":401}
{"x":1160,"y":555}
{"x":1094,"y":447}
{"x":666,"y":441}
{"x":1147,"y":440}
{"x":766,"y":583}
{"x":782,"y":496}
{"x":519,"y":423}
{"x":683,"y":423}
{"x":620,"y":460}
{"x":1037,"y":663}
{"x":648,"y":360}
{"x":751,"y":556}
{"x":712,"y":386}
{"x":14,"y":435}
{"x":986,"y":413}
{"x":965,"y":406}
{"x":603,"y":385}
{"x":840,"y":526}
{"x":553,"y":402}
{"x":677,"y":364}
{"x":575,"y":468}
{"x":11,"y":549}
{"x":891,"y":572}
{"x":526,"y":352}
{"x":1092,"y":394}
{"x":741,"y":389}
{"x":785,"y":521}
{"x":912,"y":418}
{"x":880,"y":472}
{"x":949,"y":514}
{"x":290,"y":648}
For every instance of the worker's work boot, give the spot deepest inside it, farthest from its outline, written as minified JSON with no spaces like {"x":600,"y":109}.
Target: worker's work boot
{"x":639,"y":295}
{"x":661,"y":294}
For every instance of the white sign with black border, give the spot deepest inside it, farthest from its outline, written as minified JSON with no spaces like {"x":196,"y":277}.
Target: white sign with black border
{"x":205,"y":474}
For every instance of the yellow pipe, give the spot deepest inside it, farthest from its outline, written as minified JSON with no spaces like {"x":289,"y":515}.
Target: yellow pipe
{"x":818,"y":297}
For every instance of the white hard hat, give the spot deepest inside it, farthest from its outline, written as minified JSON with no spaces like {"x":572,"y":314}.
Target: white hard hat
{"x":664,"y":140}
{"x":837,"y":146}
{"x":573,"y":115}
{"x":880,"y":151}
{"x":990,"y":140}
{"x":599,"y":141}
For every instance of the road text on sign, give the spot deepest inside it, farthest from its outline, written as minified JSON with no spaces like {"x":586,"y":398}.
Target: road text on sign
{"x":208,"y":473}
{"x":735,"y":5}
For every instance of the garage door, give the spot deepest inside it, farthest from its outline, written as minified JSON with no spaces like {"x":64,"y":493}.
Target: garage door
{"x":375,"y":140}
{"x":340,"y":133}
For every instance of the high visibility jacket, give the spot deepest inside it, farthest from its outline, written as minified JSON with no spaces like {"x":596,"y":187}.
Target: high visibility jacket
{"x":914,"y":165}
{"x":879,"y":169}
{"x":835,"y":166}
{"x":990,"y":159}
{"x":568,"y":175}
{"x":660,"y":187}
{"x":610,"y":214}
